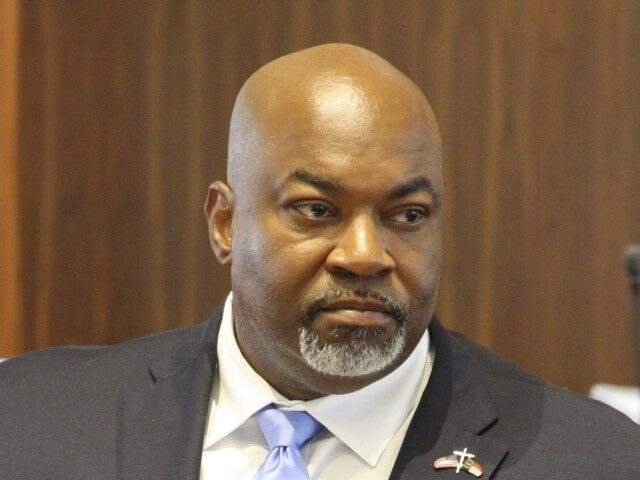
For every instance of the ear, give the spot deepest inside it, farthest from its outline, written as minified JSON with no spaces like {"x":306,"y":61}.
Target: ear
{"x":219,"y":210}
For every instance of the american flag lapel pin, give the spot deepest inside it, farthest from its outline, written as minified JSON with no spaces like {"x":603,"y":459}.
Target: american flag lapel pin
{"x":460,"y":460}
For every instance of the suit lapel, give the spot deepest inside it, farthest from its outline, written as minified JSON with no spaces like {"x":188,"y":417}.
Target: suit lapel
{"x":161,"y":423}
{"x":452,"y":415}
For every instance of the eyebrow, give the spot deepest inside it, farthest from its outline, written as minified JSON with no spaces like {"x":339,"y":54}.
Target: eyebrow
{"x":419,"y":184}
{"x":324,"y":184}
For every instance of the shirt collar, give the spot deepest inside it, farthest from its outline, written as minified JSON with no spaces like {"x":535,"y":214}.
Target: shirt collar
{"x":242,"y":392}
{"x":365,"y":420}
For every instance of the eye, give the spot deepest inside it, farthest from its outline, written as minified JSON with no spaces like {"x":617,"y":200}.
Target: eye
{"x":314,"y":210}
{"x":409,"y":216}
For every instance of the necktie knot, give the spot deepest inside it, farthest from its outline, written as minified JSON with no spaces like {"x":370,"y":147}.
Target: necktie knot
{"x":287,"y":428}
{"x":285,"y":432}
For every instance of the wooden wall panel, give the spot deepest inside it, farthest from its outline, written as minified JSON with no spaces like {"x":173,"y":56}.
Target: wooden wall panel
{"x":122,"y":122}
{"x":10,"y":291}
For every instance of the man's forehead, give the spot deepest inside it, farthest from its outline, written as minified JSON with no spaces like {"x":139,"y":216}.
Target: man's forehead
{"x":306,"y":141}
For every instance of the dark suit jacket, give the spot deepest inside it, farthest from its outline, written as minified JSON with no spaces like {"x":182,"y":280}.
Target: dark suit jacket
{"x":138,"y":411}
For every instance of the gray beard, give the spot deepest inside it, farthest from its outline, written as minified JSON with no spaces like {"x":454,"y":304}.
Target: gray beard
{"x":350,"y":359}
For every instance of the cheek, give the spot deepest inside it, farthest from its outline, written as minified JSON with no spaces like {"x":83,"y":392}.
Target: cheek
{"x":419,"y":262}
{"x":298,"y":264}
{"x":421,"y":278}
{"x":275,"y":259}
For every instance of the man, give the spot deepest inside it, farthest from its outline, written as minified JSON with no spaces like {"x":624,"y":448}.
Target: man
{"x":331,"y":225}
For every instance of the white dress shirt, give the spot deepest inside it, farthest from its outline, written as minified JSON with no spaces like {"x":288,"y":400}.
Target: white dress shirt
{"x":364,"y":429}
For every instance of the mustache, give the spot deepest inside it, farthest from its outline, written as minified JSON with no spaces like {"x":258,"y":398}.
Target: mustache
{"x":313,"y":305}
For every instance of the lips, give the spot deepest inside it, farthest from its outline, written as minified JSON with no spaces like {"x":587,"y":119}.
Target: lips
{"x":363,"y":305}
{"x":357,"y":313}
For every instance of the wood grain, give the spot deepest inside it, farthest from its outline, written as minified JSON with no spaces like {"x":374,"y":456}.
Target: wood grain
{"x":10,"y":284}
{"x":120,"y":123}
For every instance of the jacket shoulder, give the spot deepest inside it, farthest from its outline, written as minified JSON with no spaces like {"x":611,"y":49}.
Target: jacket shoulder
{"x":58,"y":406}
{"x":550,"y":429}
{"x":103,"y":365}
{"x":501,"y":376}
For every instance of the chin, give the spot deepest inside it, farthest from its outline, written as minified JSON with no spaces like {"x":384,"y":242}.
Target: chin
{"x":359,"y":353}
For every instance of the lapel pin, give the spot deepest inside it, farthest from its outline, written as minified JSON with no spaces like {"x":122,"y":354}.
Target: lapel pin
{"x":460,"y":461}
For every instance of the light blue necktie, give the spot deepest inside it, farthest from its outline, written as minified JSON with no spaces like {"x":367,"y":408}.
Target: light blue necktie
{"x":285,"y":432}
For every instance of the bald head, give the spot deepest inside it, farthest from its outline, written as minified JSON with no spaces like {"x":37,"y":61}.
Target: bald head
{"x":341,"y":93}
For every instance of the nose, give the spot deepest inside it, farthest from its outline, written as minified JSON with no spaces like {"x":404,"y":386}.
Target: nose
{"x":360,"y":250}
